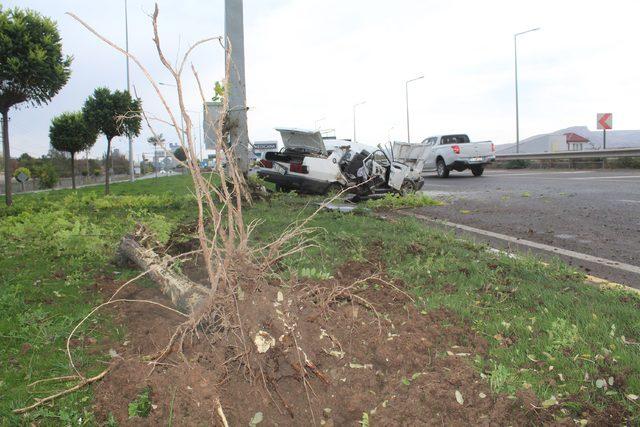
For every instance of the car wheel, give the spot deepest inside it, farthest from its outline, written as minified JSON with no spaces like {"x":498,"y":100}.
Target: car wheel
{"x":477,"y":170}
{"x":334,"y":188}
{"x":443,"y":170}
{"x":282,"y":188}
{"x":408,"y":187}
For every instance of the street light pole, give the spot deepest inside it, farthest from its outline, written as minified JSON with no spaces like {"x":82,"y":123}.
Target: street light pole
{"x":354,"y":118}
{"x":132,"y":176}
{"x":515,"y":52}
{"x":406,"y":87}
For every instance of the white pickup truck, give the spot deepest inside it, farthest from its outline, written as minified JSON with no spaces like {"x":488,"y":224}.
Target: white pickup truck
{"x":456,"y":152}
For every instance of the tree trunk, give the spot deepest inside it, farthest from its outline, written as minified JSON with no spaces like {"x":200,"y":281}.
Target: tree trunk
{"x":107,"y":166}
{"x":73,"y":171}
{"x":8,"y":173}
{"x":185,"y":294}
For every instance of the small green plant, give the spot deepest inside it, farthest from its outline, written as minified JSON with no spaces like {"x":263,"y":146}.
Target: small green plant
{"x":563,"y":334}
{"x":141,"y":405}
{"x":315,"y":274}
{"x":255,"y":180}
{"x":111,"y":421}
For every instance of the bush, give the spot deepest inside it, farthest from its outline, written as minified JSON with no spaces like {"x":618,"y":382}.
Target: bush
{"x":96,"y":172}
{"x":47,"y":176}
{"x":84,"y":173}
{"x":23,"y":170}
{"x":626,"y":163}
{"x":517,"y":164}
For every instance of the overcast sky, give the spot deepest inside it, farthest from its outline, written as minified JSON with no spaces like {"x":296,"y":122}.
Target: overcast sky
{"x":313,"y":59}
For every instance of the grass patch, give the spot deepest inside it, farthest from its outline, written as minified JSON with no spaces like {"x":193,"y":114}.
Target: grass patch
{"x":54,"y":246}
{"x":395,"y":201}
{"x":546,"y":329}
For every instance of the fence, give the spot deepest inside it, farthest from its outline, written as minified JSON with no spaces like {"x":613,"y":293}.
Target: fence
{"x":564,"y":155}
{"x":34,"y":185}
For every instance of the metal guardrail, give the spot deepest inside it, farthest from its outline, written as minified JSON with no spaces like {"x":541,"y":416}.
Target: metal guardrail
{"x":590,"y":154}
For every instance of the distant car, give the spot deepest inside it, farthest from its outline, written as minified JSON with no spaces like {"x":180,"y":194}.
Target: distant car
{"x":305,"y":165}
{"x":456,"y":152}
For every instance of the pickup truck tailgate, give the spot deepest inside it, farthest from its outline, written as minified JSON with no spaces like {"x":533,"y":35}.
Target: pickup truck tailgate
{"x":475,"y":150}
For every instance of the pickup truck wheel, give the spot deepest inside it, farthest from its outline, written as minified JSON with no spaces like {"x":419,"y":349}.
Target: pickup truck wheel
{"x":443,"y":170}
{"x":477,"y":170}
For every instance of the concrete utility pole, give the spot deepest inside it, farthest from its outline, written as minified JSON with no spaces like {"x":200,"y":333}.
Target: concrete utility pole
{"x":132,"y":175}
{"x":515,"y":51}
{"x":237,"y":114}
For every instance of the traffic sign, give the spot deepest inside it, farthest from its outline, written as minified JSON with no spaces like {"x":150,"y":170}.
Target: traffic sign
{"x":605,"y":120}
{"x":22,"y":177}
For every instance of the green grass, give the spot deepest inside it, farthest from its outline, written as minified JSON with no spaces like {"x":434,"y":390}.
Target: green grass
{"x":394,"y":201}
{"x":545,"y":328}
{"x":53,"y":247}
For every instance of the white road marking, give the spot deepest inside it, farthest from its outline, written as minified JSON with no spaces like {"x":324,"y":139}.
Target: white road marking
{"x":629,"y":201}
{"x":536,"y":245}
{"x":535,"y":173}
{"x":607,"y":177}
{"x":590,"y":178}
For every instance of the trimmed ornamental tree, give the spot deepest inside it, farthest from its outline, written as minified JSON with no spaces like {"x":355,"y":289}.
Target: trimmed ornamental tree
{"x":70,"y":133}
{"x":112,"y":114}
{"x":32,"y":68}
{"x":180,"y":154}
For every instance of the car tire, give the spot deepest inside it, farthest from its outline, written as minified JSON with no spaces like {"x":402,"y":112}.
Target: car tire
{"x":477,"y":170}
{"x":408,"y":187}
{"x":442,"y":169}
{"x":334,"y":188}
{"x":282,"y":188}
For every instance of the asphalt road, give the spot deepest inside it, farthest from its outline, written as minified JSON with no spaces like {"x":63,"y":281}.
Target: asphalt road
{"x":596,"y":213}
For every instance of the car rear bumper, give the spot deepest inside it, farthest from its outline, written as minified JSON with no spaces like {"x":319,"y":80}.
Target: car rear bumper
{"x":463,"y":164}
{"x":295,"y":182}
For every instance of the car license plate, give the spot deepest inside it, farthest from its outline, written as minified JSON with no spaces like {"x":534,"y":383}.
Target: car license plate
{"x":279,"y":168}
{"x":476,"y":159}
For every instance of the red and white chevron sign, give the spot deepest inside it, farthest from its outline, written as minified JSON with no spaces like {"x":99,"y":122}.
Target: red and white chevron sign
{"x":605,"y":120}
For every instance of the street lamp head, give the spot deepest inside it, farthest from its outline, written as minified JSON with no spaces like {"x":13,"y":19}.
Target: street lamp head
{"x":525,"y":32}
{"x":417,"y":78}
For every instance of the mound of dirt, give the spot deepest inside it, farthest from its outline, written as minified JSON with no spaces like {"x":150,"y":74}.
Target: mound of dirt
{"x":333,"y":352}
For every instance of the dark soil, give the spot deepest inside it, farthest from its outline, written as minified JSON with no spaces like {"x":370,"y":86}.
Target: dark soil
{"x":334,"y":359}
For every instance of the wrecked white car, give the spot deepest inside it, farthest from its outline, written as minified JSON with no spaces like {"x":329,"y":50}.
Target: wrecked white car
{"x":304,"y":164}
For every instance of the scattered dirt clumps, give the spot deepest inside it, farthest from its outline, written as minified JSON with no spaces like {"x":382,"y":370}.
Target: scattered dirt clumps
{"x":330,"y":352}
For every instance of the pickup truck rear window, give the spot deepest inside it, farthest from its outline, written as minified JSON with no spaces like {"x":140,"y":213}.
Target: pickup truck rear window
{"x":454,"y":139}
